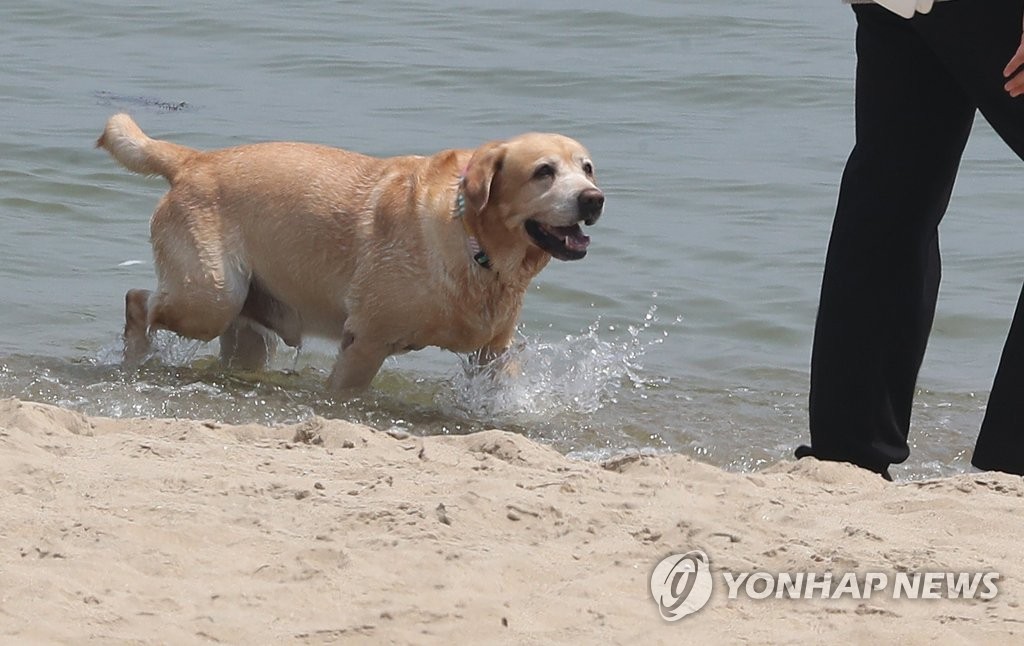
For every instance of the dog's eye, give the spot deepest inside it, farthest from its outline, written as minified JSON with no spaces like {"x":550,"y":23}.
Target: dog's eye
{"x":544,"y":171}
{"x":588,"y":168}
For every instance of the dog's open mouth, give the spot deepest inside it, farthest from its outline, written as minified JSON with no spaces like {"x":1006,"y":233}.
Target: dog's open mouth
{"x":564,"y":243}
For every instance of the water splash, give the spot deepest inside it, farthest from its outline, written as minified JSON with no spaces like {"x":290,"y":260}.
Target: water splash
{"x":539,"y":382}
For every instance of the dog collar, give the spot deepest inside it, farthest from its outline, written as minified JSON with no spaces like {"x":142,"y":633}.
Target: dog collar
{"x":480,"y":256}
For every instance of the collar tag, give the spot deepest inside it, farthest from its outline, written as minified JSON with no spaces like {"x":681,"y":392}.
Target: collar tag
{"x":482,"y":259}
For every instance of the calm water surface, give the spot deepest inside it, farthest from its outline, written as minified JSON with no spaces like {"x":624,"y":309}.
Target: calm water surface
{"x":719,"y":131}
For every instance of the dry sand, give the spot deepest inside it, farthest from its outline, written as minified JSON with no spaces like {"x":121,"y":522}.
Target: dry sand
{"x":166,"y":531}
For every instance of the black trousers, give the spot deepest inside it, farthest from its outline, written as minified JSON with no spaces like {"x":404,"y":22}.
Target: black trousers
{"x":919,"y":84}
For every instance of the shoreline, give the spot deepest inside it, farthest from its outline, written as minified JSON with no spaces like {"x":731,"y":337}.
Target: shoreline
{"x":156,"y":530}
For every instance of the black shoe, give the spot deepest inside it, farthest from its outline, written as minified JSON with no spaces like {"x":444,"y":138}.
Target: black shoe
{"x":986,"y":464}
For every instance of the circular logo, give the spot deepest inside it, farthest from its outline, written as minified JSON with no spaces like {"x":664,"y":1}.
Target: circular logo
{"x":681,"y":584}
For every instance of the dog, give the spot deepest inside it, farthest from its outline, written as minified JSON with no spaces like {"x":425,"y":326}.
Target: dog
{"x":383,"y":255}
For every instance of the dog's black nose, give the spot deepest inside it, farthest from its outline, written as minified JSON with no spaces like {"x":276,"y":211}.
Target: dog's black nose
{"x":591,"y":201}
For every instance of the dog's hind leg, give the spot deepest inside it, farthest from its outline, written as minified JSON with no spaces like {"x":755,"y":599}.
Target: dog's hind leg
{"x":136,"y":326}
{"x":247,"y":345}
{"x":251,"y":339}
{"x":202,"y":280}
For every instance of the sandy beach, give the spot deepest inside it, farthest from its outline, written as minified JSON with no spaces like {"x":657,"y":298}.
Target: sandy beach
{"x":167,"y":531}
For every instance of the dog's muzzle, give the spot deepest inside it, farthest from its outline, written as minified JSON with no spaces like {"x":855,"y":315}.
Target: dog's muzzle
{"x":569,"y":242}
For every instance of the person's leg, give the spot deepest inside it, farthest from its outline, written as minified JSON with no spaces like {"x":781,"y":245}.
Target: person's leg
{"x":882,"y":267}
{"x":1000,"y":445}
{"x":975,"y":40}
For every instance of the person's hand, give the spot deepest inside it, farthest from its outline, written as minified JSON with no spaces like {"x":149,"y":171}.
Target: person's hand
{"x":1012,"y":71}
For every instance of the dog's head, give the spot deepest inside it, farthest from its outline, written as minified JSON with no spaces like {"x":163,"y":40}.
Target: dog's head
{"x":538,"y":188}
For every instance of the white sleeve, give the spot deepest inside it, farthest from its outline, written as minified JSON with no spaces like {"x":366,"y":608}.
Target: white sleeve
{"x":904,"y":8}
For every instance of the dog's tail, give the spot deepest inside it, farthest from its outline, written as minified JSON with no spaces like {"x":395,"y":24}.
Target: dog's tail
{"x":126,"y":142}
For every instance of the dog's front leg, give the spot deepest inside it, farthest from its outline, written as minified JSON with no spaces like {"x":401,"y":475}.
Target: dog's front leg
{"x":495,"y":355}
{"x":357,"y":364}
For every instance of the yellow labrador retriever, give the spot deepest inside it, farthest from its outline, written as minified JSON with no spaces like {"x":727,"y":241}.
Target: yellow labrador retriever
{"x":382,"y":255}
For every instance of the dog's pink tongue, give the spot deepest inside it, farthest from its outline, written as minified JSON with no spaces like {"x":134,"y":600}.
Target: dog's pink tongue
{"x":574,"y":238}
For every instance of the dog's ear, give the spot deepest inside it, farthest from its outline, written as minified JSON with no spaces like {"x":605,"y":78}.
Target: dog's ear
{"x":484,"y":166}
